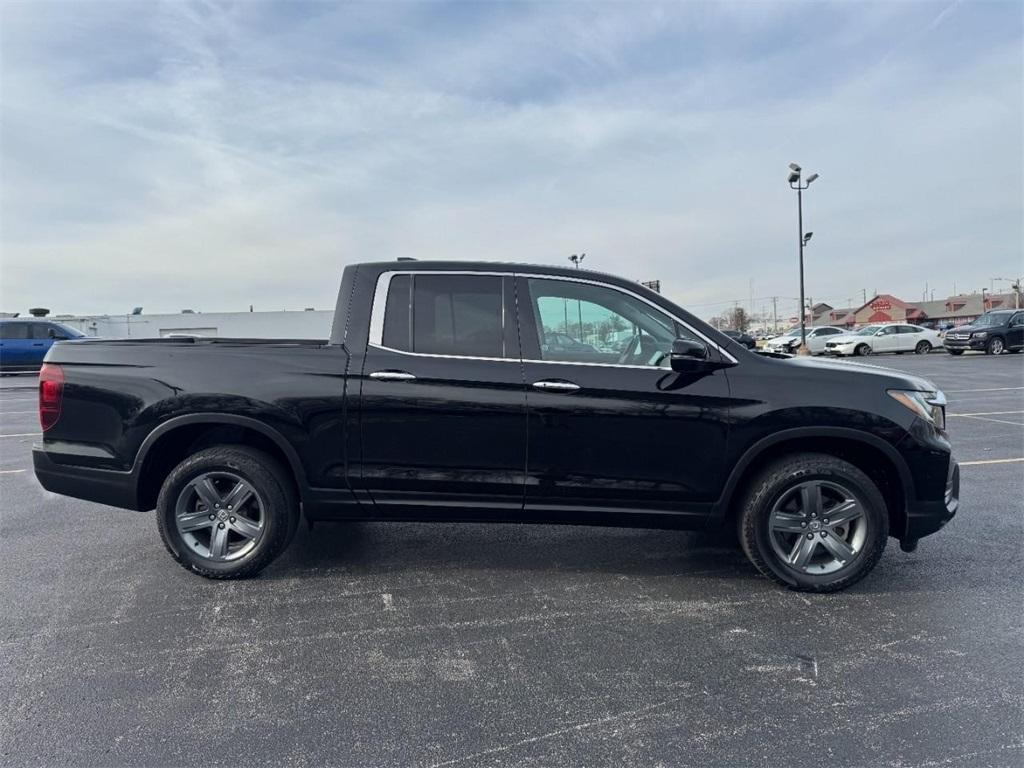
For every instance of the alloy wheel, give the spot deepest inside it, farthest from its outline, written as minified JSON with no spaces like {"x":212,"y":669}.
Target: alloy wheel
{"x":817,"y":527}
{"x":996,"y":346}
{"x":220,"y":516}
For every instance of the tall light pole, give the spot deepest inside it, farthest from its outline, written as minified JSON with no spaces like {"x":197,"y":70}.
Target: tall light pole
{"x":799,"y":185}
{"x":577,"y":259}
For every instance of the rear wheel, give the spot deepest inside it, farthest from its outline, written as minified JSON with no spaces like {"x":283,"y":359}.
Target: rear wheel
{"x":922,"y":348}
{"x":814,"y":523}
{"x":862,"y":350}
{"x":995,"y":346}
{"x":227,"y":512}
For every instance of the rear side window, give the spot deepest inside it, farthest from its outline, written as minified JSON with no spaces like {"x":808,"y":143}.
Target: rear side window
{"x":445,"y":314}
{"x":397,"y":314}
{"x":14,"y":331}
{"x":910,"y":329}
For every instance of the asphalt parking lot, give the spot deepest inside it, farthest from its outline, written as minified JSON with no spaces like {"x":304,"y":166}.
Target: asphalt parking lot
{"x":470,"y":645}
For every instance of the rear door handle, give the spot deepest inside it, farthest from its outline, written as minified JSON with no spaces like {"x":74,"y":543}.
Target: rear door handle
{"x":392,"y":376}
{"x":551,"y":385}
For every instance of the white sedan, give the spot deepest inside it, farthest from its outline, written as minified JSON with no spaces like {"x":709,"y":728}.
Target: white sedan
{"x":816,"y":338}
{"x":886,"y":337}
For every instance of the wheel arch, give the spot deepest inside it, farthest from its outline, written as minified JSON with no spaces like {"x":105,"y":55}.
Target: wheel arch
{"x":182,"y":436}
{"x":872,"y":455}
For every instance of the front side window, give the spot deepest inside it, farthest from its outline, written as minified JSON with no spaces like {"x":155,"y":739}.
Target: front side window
{"x":584,"y":323}
{"x":445,"y":314}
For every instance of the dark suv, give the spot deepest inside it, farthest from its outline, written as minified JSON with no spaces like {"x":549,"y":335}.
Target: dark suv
{"x":994,"y":333}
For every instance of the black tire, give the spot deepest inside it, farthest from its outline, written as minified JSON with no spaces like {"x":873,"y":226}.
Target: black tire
{"x":274,"y":489}
{"x":771,"y":485}
{"x":862,"y":350}
{"x":955,"y":352}
{"x":922,"y":348}
{"x":995,"y":346}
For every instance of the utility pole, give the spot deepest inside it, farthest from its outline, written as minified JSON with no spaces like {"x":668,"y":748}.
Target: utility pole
{"x":1015,"y":284}
{"x":775,"y":314}
{"x":795,"y":183}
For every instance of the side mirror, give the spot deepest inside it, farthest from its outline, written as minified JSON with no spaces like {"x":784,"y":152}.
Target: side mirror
{"x":57,"y":336}
{"x":880,"y":333}
{"x":688,"y":355}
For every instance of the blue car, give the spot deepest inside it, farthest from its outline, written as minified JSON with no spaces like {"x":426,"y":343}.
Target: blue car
{"x":24,"y":343}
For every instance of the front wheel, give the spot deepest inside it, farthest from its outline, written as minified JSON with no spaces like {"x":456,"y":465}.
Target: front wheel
{"x":815,"y":523}
{"x":922,"y":348}
{"x":227,"y":512}
{"x":862,"y":350}
{"x":995,"y":346}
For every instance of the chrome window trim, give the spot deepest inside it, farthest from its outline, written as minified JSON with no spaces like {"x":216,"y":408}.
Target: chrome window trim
{"x":380,"y":295}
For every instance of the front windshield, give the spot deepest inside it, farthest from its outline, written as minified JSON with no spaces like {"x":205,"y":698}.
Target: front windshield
{"x":990,"y":319}
{"x":868,"y":330}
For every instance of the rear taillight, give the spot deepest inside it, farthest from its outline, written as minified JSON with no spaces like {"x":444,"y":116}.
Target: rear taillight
{"x":51,"y":392}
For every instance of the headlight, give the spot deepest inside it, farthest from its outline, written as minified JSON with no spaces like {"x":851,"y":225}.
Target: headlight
{"x":930,"y":406}
{"x":980,"y":335}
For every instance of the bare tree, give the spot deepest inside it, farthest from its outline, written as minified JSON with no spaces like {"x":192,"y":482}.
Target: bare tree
{"x":738,"y":319}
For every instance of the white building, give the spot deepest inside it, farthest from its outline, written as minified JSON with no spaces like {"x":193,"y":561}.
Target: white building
{"x":308,"y":324}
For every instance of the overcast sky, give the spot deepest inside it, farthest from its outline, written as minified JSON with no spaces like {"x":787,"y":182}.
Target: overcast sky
{"x":213,"y":156}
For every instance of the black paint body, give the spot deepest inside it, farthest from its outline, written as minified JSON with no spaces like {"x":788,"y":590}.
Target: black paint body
{"x":471,"y":439}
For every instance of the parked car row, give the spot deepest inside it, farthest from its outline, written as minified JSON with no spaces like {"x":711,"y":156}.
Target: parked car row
{"x":995,"y":332}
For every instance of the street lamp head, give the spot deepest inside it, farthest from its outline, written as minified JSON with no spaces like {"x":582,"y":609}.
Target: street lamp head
{"x":794,"y":177}
{"x":794,"y":168}
{"x":808,"y":236}
{"x":811,"y":178}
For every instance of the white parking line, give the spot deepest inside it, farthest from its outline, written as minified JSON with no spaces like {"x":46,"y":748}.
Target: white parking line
{"x":980,"y":413}
{"x":990,"y":461}
{"x":15,"y":413}
{"x":24,"y":434}
{"x":19,"y":400}
{"x":11,"y":471}
{"x":995,"y":421}
{"x":993,"y":389}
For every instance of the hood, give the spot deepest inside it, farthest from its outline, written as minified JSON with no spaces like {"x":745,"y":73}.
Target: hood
{"x":971,"y":328}
{"x":843,"y":338}
{"x":780,"y":340}
{"x":887,"y":377}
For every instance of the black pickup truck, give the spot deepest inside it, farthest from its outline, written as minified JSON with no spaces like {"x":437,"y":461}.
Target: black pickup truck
{"x":447,"y":392}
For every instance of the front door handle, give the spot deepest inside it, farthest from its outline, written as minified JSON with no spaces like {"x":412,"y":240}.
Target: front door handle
{"x":553,"y":385}
{"x":392,"y":376}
